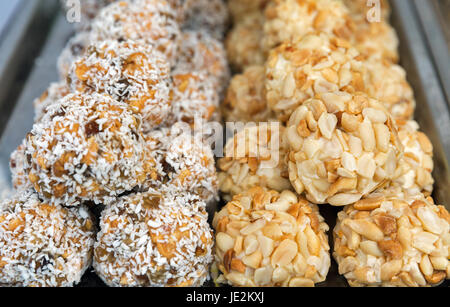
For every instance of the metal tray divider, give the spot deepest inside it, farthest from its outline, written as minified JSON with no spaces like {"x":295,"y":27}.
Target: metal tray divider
{"x":437,"y":44}
{"x":21,"y":43}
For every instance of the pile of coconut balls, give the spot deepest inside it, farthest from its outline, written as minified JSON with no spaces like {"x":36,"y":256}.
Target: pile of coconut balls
{"x":112,"y":135}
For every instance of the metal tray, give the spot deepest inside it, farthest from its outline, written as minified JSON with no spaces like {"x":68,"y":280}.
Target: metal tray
{"x":21,"y":82}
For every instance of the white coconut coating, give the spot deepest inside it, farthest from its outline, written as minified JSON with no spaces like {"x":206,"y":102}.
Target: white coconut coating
{"x":130,"y":72}
{"x":153,"y":239}
{"x":75,"y":48}
{"x":194,"y":97}
{"x":43,"y":245}
{"x":182,"y":162}
{"x":17,"y":162}
{"x":86,"y":148}
{"x":200,"y":52}
{"x":153,"y":21}
{"x":55,"y":92}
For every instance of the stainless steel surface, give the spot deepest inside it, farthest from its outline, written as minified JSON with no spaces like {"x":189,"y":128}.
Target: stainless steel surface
{"x":7,"y":12}
{"x":11,"y":42}
{"x":436,"y":40}
{"x":432,"y":110}
{"x":19,"y":47}
{"x":442,"y":8}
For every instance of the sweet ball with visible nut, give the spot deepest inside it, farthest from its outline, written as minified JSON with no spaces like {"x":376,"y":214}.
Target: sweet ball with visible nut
{"x":342,"y":147}
{"x":387,"y":82}
{"x":372,"y":35}
{"x":130,"y":72}
{"x":42,"y":244}
{"x":86,"y":148}
{"x":155,"y":22}
{"x":289,"y":20}
{"x":414,"y":171}
{"x":245,"y":100}
{"x":267,"y":238}
{"x":317,"y":63}
{"x":255,"y":156}
{"x":154,"y":239}
{"x":391,"y":239}
{"x":243,"y":42}
{"x":181,"y":161}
